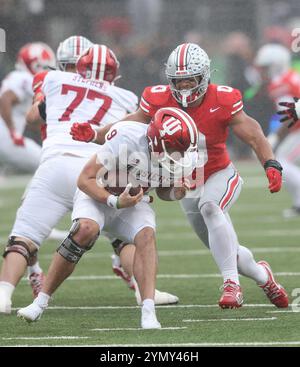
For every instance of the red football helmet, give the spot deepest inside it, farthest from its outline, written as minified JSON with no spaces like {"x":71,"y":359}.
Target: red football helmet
{"x":35,"y":57}
{"x":99,"y":63}
{"x":173,"y":139}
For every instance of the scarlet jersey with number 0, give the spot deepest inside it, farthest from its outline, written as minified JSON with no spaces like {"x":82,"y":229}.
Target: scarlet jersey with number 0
{"x":212,"y":118}
{"x":71,"y":98}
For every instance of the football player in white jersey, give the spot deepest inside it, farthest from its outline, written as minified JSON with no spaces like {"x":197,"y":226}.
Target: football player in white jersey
{"x":70,"y":98}
{"x":15,"y":99}
{"x":157,"y":156}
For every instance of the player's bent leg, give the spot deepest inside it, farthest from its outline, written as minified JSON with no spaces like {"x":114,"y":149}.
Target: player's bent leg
{"x":18,"y":254}
{"x":122,"y":261}
{"x":82,"y":236}
{"x":122,"y":264}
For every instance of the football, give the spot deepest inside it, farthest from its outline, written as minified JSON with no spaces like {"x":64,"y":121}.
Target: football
{"x":115,"y":182}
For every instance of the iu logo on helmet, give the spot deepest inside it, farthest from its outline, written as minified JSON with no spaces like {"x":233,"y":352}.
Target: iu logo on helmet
{"x":170,"y":127}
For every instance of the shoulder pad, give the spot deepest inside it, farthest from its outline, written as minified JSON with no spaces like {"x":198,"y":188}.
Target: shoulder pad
{"x":154,"y":97}
{"x":229,"y":98}
{"x":157,"y":94}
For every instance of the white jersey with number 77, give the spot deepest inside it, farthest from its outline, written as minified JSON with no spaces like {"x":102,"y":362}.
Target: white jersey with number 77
{"x":71,"y":98}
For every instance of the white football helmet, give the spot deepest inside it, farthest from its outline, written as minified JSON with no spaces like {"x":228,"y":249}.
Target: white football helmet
{"x":70,"y":49}
{"x":275,"y":57}
{"x":188,"y":61}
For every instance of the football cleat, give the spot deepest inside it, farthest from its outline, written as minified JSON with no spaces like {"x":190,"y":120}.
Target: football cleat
{"x":5,"y":303}
{"x":149,"y":320}
{"x":36,"y":282}
{"x":232,"y":296}
{"x":31,"y":313}
{"x":120,"y":272}
{"x":160,"y":298}
{"x":274,"y":291}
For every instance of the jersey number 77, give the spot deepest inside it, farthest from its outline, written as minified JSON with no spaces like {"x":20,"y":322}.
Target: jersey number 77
{"x":80,"y":94}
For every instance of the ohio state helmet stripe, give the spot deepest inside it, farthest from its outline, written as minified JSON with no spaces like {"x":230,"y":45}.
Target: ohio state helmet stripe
{"x":102,"y":62}
{"x":78,"y":48}
{"x":181,"y":61}
{"x":95,"y":61}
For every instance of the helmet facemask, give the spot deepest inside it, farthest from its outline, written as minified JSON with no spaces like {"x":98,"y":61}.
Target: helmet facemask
{"x":178,"y":164}
{"x":188,"y":96}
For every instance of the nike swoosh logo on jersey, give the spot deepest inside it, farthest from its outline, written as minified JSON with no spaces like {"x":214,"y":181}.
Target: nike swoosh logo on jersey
{"x":214,"y":109}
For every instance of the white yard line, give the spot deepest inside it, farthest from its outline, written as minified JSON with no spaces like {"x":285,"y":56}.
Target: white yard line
{"x":246,"y":319}
{"x":284,"y":311}
{"x":45,"y":337}
{"x":138,"y":328}
{"x":254,"y":305}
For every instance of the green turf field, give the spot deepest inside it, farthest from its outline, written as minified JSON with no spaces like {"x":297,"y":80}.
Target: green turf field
{"x":94,"y":307}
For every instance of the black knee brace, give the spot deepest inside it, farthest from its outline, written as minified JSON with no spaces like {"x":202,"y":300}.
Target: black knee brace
{"x":21,"y":248}
{"x":118,"y":246}
{"x":71,"y":250}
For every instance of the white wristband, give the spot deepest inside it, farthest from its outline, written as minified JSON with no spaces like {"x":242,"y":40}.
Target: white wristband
{"x":95,"y":136}
{"x":112,"y":201}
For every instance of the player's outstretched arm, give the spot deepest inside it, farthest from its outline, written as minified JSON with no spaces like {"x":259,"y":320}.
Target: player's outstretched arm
{"x":87,"y":133}
{"x":249,"y":130}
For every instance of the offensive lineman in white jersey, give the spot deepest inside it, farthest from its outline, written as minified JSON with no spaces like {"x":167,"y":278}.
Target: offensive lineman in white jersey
{"x":70,"y":98}
{"x":15,"y":100}
{"x":148,"y":154}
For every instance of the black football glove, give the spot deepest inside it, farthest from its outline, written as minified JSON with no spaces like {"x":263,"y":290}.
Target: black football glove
{"x":292,"y":113}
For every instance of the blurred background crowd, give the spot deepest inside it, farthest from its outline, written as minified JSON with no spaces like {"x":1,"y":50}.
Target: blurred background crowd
{"x":142,"y":33}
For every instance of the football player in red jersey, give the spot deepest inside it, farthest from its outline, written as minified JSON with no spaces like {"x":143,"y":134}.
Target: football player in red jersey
{"x":214,"y":109}
{"x":274,"y":62}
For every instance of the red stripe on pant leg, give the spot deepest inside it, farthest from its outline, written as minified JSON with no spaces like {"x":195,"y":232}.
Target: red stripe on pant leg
{"x":228,"y":196}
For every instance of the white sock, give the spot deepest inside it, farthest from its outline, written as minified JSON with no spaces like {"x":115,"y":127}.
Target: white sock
{"x":222,"y":241}
{"x":34,"y":269}
{"x":148,"y":303}
{"x":248,"y":267}
{"x":42,"y":300}
{"x":7,"y":288}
